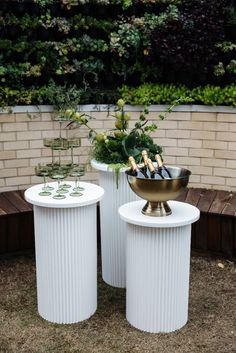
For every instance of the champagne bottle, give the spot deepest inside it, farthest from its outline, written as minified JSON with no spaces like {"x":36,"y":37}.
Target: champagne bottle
{"x":136,"y":171}
{"x":162,"y":168}
{"x":153,"y":173}
{"x":149,"y":167}
{"x":145,"y":161}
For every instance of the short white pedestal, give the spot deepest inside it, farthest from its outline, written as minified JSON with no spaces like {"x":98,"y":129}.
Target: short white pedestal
{"x":66,"y":254}
{"x":157,"y":263}
{"x":113,"y":230}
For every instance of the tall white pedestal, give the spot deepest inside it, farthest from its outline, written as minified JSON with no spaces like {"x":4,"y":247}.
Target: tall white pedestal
{"x":158,"y":256}
{"x":66,"y":254}
{"x":113,"y":230}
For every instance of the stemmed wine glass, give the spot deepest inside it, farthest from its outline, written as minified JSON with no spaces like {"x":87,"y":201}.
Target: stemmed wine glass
{"x":60,"y":144}
{"x":73,"y":142}
{"x":59,"y":174}
{"x":67,"y":166}
{"x":77,"y":171}
{"x":48,"y":142}
{"x":44,"y":171}
{"x":81,"y":171}
{"x":61,"y":118}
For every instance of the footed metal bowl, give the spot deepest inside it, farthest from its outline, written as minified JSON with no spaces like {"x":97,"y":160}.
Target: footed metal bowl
{"x":158,"y":192}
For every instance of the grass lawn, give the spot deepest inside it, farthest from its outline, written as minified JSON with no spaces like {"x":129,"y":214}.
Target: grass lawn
{"x":211,"y":327}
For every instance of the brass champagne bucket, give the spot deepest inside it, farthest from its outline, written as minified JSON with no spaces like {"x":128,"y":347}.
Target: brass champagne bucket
{"x":158,"y":191}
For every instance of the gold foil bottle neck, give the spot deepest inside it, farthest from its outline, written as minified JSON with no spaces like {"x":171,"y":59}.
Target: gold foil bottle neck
{"x":150,"y":166}
{"x":158,"y":160}
{"x":145,"y":157}
{"x":132,"y":163}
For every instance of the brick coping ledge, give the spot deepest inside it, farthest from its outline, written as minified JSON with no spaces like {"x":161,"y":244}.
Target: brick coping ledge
{"x":131,"y":108}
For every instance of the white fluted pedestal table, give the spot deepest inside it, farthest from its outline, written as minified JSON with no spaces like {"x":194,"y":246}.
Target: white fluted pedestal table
{"x":66,"y":253}
{"x":157,"y":266}
{"x":113,"y":230}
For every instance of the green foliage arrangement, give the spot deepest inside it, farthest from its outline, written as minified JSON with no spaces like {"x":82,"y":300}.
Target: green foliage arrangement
{"x":116,"y":145}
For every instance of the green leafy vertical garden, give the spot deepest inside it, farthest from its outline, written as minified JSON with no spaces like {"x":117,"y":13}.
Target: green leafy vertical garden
{"x":101,"y":47}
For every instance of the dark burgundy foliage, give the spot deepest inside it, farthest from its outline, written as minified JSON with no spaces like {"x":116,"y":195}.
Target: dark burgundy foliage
{"x":186,"y":48}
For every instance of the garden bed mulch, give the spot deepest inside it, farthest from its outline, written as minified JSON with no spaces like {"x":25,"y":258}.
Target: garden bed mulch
{"x":211,"y":327}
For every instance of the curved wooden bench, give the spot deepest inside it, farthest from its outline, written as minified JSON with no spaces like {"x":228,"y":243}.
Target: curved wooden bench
{"x":16,"y":223}
{"x":215,"y":231}
{"x":213,"y":234}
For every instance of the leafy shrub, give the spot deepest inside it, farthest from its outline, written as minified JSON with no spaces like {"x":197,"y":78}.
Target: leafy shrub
{"x":169,"y":94}
{"x":215,"y":95}
{"x":143,"y":95}
{"x":154,"y":94}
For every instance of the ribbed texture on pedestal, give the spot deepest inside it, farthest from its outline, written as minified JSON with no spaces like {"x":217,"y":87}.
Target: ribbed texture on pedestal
{"x":158,"y":277}
{"x":66,"y":260}
{"x":113,"y":229}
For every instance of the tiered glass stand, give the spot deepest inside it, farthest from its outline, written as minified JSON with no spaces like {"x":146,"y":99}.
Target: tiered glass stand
{"x":60,"y":169}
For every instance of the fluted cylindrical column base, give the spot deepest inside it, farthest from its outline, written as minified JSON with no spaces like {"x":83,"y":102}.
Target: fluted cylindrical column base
{"x":66,"y":262}
{"x":113,"y":230}
{"x":157,"y":277}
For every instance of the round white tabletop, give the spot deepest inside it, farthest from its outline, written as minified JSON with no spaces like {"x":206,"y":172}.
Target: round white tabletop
{"x":182,"y":214}
{"x":91,"y":194}
{"x":66,"y":252}
{"x":157,"y":266}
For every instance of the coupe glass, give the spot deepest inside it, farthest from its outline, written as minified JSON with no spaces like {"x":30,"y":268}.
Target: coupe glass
{"x":48,"y":142}
{"x":68,"y":167}
{"x":73,"y":142}
{"x":80,"y":171}
{"x":44,"y":171}
{"x":61,"y":118}
{"x":77,"y":172}
{"x":60,"y":144}
{"x":59,"y":174}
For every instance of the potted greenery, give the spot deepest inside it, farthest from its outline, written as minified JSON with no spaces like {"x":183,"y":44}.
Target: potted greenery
{"x":110,"y":152}
{"x":113,"y":147}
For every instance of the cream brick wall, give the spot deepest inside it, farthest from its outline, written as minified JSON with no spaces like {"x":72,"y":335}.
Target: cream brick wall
{"x":207,"y":146}
{"x":201,"y":141}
